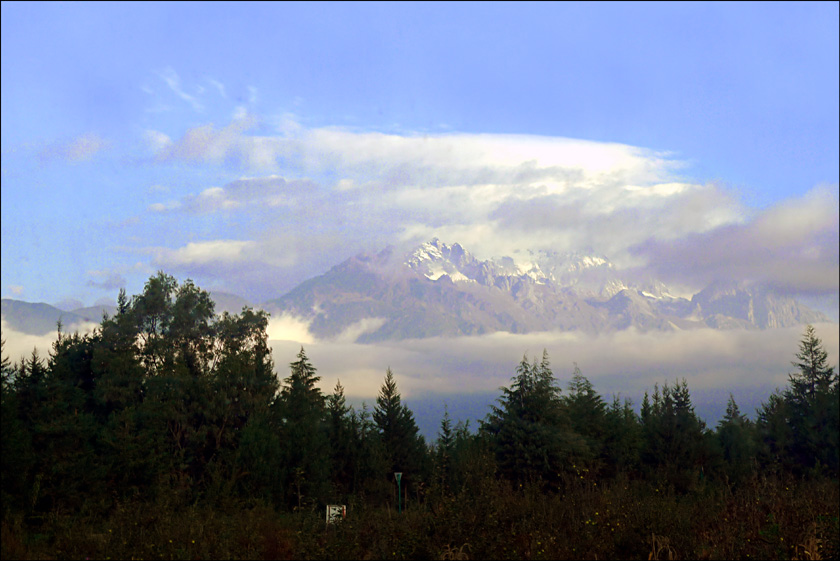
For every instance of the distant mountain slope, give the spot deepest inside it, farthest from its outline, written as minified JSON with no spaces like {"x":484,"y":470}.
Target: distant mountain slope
{"x":737,"y":305}
{"x":442,"y":290}
{"x":94,"y":313}
{"x":36,"y":318}
{"x":231,"y":303}
{"x":40,"y":319}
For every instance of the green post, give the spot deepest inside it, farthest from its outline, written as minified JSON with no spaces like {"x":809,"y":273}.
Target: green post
{"x":398,"y":475}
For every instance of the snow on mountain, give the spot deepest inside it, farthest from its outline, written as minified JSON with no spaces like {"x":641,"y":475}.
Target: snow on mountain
{"x":437,"y":289}
{"x":442,"y":290}
{"x":434,"y":259}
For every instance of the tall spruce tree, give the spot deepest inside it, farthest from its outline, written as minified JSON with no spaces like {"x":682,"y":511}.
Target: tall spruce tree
{"x":401,"y":440}
{"x":586,"y":411}
{"x":341,"y":440}
{"x":773,"y":433}
{"x":623,"y":440}
{"x":674,"y":440}
{"x":444,"y":448}
{"x":17,"y":455}
{"x":813,"y":404}
{"x":736,"y":438}
{"x":306,"y":457}
{"x":529,"y":429}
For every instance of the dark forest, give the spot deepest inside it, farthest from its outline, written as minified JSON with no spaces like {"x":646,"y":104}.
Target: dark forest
{"x":166,"y":434}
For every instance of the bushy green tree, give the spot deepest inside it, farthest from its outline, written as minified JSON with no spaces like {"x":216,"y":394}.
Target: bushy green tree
{"x":370,"y":459}
{"x":813,"y":404}
{"x":303,"y":431}
{"x":622,"y":439}
{"x":587,"y":414}
{"x":530,"y":432}
{"x":17,"y":456}
{"x":674,"y":442}
{"x":404,"y":446}
{"x":342,"y":442}
{"x":736,"y":439}
{"x":154,"y":400}
{"x":773,"y":434}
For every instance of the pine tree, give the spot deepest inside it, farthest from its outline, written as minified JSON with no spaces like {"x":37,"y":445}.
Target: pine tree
{"x":304,"y":437}
{"x":17,"y":455}
{"x":587,"y":412}
{"x":529,"y":430}
{"x":674,"y":439}
{"x":403,"y":445}
{"x":369,"y":458}
{"x":774,"y":436}
{"x":813,"y":403}
{"x":622,"y":440}
{"x":342,"y":441}
{"x":737,"y":443}
{"x":444,"y":448}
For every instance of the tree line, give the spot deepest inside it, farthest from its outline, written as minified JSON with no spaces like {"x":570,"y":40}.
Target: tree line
{"x":166,"y":398}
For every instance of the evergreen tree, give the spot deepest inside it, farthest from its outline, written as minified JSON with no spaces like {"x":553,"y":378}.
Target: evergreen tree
{"x":17,"y":455}
{"x":774,"y":436}
{"x":306,"y":457}
{"x":736,"y":441}
{"x":529,"y":430}
{"x":587,"y":412}
{"x":444,"y":448}
{"x":674,"y":441}
{"x":622,"y":441}
{"x":370,"y":460}
{"x":813,"y":404}
{"x":342,"y":441}
{"x":403,"y":445}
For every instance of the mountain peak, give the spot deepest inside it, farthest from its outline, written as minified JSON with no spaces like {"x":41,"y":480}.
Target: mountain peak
{"x":438,"y":289}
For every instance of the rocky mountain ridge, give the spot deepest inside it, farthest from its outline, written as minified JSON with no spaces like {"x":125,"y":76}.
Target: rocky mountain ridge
{"x":438,"y":289}
{"x":441,"y":290}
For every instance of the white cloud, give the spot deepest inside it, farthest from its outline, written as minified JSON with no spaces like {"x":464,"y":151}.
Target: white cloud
{"x":219,"y":86}
{"x":267,"y":191}
{"x":16,"y":289}
{"x":172,"y":80}
{"x":79,"y":149}
{"x":156,"y":141}
{"x":241,"y":112}
{"x":792,"y":246}
{"x":355,"y":330}
{"x":287,"y":327}
{"x":627,"y":362}
{"x":496,"y":194}
{"x":165,"y":207}
{"x":229,"y":252}
{"x":228,"y":145}
{"x":19,"y":345}
{"x":239,"y":265}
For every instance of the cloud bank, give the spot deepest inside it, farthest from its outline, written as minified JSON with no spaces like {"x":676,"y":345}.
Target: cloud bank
{"x":314,"y":197}
{"x":626,"y":362}
{"x":19,"y":345}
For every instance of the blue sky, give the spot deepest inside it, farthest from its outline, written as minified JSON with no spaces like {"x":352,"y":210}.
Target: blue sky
{"x":251,"y":146}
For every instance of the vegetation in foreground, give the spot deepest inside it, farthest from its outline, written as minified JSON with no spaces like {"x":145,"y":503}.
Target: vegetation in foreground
{"x":165,"y":435}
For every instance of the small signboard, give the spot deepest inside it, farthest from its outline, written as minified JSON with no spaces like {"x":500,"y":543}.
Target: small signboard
{"x":398,"y":475}
{"x":336,"y":513}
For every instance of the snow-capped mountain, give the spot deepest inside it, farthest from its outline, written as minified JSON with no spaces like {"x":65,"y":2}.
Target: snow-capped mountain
{"x":437,"y":289}
{"x":589,"y":274}
{"x":441,"y":290}
{"x":727,"y":305}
